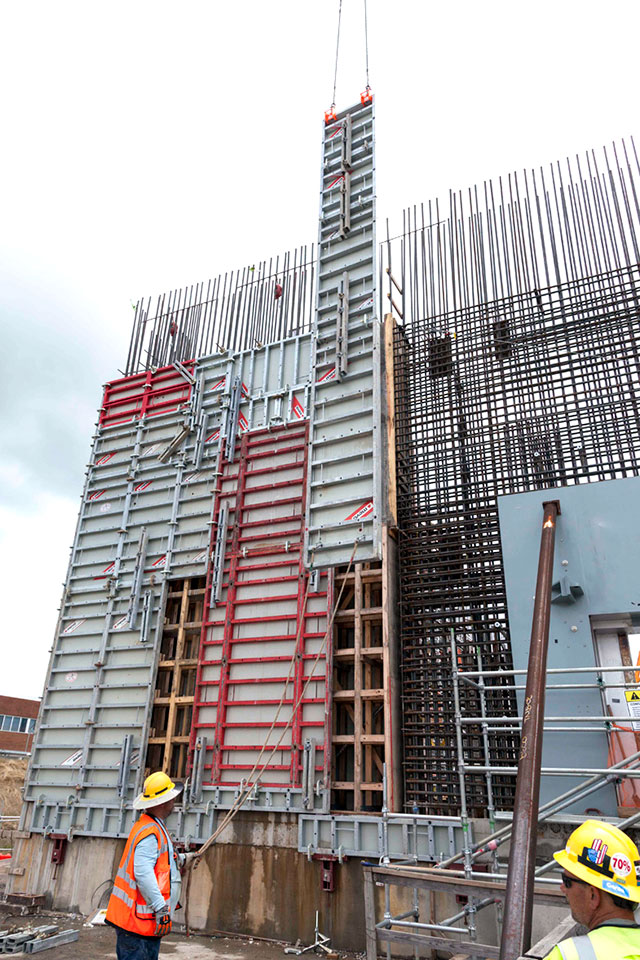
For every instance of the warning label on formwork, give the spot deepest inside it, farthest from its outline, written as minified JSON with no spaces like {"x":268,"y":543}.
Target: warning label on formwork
{"x":73,"y":759}
{"x":161,"y":561}
{"x":213,"y":436}
{"x":120,"y":623}
{"x":96,"y":494}
{"x":199,"y":557}
{"x":244,"y":390}
{"x":71,"y":627}
{"x":297,"y":409}
{"x":334,"y":183}
{"x":329,"y":375}
{"x":192,"y":477}
{"x":362,"y":512}
{"x":243,"y":423}
{"x":149,"y":451}
{"x":104,"y":459}
{"x":366,"y":303}
{"x":142,"y":486}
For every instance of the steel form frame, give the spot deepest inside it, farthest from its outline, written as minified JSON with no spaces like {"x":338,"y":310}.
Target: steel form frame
{"x":274,"y":542}
{"x":156,"y":485}
{"x":275,"y":390}
{"x":345,"y":477}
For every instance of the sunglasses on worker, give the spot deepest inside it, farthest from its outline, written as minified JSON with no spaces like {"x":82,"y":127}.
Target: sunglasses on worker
{"x":567,"y":881}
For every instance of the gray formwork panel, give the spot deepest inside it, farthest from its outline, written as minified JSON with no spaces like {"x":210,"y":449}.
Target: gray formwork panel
{"x":142,"y":522}
{"x":406,"y":838}
{"x":344,"y":498}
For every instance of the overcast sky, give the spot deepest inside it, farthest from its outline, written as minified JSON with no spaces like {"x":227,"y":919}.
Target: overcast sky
{"x":149,"y":145}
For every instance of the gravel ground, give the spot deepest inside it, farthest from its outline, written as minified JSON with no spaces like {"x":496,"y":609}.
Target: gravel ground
{"x":100,"y":942}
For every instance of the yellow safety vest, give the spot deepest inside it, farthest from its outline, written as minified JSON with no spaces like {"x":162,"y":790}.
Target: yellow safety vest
{"x":608,"y":942}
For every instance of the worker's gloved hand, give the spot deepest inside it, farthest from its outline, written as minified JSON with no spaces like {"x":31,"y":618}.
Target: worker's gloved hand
{"x":163,"y":921}
{"x":190,"y":859}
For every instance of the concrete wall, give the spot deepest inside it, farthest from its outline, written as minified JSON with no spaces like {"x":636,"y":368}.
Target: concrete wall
{"x":253,"y":881}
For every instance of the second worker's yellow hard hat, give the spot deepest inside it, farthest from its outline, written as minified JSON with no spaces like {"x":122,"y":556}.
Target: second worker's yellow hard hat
{"x":603,"y":856}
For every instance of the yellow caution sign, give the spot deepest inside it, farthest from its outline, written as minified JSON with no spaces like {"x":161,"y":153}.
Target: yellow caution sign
{"x":632,"y":695}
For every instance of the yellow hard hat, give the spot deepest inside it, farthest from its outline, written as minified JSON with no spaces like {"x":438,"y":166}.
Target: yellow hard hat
{"x":158,"y":788}
{"x":605,"y":857}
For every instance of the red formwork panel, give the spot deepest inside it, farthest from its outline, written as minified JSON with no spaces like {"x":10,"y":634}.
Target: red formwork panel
{"x":266,"y":618}
{"x":144,"y":394}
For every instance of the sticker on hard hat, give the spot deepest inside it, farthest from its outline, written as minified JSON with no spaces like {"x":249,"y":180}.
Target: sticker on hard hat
{"x":621,"y":865}
{"x":616,"y":889}
{"x":636,"y":864}
{"x":596,"y":852}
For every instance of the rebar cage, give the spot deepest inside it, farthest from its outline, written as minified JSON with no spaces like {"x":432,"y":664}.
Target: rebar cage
{"x":503,"y":394}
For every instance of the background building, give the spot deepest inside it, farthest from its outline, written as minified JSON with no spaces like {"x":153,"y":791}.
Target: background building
{"x":17,"y":723}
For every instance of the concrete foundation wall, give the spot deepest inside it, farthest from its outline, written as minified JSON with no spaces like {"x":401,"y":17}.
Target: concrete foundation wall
{"x":254,"y":881}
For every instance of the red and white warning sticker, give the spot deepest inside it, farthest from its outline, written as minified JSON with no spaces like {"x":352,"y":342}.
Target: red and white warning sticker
{"x":244,"y":390}
{"x":161,"y":561}
{"x":104,"y":459}
{"x":213,"y":436}
{"x":366,"y":303}
{"x":332,"y":131}
{"x":334,"y":183}
{"x":243,"y":423}
{"x":199,"y":557}
{"x":71,"y":627}
{"x":362,"y":512}
{"x":149,"y":451}
{"x":142,"y":486}
{"x":192,"y":477}
{"x":329,"y":375}
{"x":73,"y":759}
{"x":120,"y":623}
{"x":71,"y":677}
{"x":297,"y":409}
{"x":96,"y":494}
{"x":110,"y":567}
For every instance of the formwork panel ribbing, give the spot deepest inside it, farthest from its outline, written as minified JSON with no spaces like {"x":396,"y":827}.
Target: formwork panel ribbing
{"x":263,"y":648}
{"x":344,"y":499}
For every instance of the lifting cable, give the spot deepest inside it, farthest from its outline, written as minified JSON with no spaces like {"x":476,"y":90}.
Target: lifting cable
{"x":250,"y":786}
{"x":366,"y":44}
{"x":366,"y":51}
{"x":335,"y":72}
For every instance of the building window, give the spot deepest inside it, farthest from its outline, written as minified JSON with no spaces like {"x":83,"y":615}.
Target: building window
{"x":17,"y":724}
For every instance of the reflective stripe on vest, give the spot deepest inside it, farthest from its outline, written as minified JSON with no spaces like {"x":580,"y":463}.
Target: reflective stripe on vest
{"x":128,"y":908}
{"x":608,"y":942}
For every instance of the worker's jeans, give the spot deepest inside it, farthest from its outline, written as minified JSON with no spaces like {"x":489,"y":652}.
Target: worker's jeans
{"x":131,"y":947}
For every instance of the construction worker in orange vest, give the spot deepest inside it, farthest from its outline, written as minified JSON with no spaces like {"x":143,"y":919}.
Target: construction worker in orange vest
{"x":601,"y":872}
{"x":147,"y":884}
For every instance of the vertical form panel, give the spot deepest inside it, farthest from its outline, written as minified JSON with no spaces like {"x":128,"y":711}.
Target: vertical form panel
{"x":265,"y":637}
{"x":344,"y":484}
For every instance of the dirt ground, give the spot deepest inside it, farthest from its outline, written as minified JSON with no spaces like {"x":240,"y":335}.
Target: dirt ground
{"x":96,"y":943}
{"x":12,"y":774}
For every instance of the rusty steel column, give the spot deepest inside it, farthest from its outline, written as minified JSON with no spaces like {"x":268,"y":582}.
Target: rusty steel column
{"x":516,"y":929}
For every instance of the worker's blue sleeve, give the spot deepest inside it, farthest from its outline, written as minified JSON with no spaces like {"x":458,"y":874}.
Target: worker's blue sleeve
{"x":144,"y":861}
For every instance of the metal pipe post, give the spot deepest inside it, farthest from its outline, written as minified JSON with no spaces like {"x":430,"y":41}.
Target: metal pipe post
{"x":516,"y":930}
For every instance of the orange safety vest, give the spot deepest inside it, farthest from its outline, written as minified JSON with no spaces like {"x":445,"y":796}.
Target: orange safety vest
{"x":127,"y":907}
